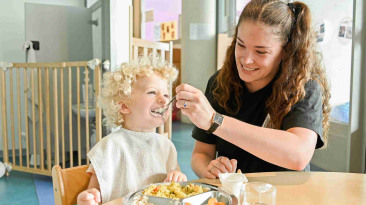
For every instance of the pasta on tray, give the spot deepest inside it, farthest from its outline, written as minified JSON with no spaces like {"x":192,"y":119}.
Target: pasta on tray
{"x":174,"y":190}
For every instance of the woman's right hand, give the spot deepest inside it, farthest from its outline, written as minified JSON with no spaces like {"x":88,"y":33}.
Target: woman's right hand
{"x":89,"y":197}
{"x":194,"y":104}
{"x":220,"y":165}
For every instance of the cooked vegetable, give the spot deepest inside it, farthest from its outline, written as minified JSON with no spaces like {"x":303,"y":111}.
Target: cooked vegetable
{"x":174,"y":190}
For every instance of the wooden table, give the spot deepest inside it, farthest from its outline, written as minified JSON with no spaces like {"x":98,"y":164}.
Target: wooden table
{"x":306,"y":187}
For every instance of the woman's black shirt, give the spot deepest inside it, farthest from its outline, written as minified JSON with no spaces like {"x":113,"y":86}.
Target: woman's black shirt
{"x":306,"y":113}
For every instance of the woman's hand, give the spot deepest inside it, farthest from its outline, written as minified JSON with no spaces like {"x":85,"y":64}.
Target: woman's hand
{"x":194,"y":104}
{"x":220,"y":165}
{"x":175,"y":176}
{"x":89,"y":197}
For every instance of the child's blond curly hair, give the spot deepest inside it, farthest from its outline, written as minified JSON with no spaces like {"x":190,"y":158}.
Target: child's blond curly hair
{"x":117,"y":85}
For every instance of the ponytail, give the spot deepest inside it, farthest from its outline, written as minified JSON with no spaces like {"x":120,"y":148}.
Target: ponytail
{"x":302,"y":63}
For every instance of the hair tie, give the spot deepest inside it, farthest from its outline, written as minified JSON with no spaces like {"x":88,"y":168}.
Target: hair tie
{"x":293,"y":10}
{"x":292,"y":7}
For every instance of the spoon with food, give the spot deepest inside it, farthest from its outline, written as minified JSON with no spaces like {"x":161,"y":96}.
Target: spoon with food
{"x":162,"y":110}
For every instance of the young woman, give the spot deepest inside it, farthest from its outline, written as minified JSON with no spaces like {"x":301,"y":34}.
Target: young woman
{"x":267,"y":109}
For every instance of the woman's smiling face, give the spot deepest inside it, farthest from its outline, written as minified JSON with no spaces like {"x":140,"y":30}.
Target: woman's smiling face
{"x":258,"y":54}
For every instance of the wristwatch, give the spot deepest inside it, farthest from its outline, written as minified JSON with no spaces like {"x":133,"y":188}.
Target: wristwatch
{"x":216,"y":121}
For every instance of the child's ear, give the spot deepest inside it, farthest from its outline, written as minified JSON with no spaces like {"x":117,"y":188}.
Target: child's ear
{"x":124,"y":108}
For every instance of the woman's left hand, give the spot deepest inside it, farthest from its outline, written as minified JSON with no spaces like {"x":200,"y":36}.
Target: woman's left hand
{"x":222,"y":165}
{"x":194,"y":104}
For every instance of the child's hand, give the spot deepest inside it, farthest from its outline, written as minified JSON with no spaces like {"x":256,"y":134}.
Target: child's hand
{"x":175,"y":176}
{"x":89,"y":197}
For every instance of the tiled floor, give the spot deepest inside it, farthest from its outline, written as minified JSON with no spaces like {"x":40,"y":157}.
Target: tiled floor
{"x":31,"y":189}
{"x":183,"y":141}
{"x":19,"y":188}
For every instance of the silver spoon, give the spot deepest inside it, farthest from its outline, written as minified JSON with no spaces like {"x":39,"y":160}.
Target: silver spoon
{"x":161,"y":111}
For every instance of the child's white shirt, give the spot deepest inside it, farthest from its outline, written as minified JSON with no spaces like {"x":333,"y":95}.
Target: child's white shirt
{"x":126,"y":161}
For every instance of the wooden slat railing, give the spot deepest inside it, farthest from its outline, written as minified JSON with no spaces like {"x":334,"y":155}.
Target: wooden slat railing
{"x":49,"y":99}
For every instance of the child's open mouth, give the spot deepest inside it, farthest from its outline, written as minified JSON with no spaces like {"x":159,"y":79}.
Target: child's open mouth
{"x":157,"y":111}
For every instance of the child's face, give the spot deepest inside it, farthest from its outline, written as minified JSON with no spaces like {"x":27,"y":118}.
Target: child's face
{"x":148,"y":93}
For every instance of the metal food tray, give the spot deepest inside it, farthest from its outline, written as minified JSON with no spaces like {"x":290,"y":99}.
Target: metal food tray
{"x":199,"y":199}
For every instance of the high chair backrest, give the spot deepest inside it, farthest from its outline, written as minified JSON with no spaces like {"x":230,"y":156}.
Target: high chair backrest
{"x":143,"y":47}
{"x":68,"y":183}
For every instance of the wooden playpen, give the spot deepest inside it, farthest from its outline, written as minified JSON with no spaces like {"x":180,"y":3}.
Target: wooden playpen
{"x":35,"y":97}
{"x":41,"y":110}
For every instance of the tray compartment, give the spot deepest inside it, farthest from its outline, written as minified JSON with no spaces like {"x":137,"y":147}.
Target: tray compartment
{"x":203,"y":198}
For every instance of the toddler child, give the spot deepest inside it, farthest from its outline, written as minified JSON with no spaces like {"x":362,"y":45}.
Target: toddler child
{"x":135,"y":155}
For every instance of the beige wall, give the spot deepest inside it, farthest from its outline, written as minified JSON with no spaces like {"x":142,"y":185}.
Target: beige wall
{"x":198,"y":56}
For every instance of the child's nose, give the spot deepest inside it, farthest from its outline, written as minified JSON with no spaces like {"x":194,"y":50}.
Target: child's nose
{"x":162,"y":99}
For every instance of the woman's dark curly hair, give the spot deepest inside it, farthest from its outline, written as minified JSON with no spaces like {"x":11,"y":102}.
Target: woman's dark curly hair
{"x":301,"y":61}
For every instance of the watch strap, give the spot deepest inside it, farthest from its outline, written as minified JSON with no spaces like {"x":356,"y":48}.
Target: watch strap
{"x":215,"y":123}
{"x":213,"y":127}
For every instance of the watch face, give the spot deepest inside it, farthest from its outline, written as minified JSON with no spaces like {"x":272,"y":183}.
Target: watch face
{"x":218,"y":119}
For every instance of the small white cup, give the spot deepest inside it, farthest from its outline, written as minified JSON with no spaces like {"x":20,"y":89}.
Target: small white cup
{"x":231,"y":182}
{"x":258,"y":193}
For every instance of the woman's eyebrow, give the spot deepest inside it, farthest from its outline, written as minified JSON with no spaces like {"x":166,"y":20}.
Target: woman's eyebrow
{"x":254,"y":46}
{"x":261,"y":47}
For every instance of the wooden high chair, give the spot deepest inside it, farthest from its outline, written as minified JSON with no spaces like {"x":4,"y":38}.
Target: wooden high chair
{"x":141,"y":47}
{"x":68,"y":183}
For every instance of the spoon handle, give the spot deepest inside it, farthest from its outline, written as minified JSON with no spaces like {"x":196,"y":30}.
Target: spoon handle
{"x":171,"y":101}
